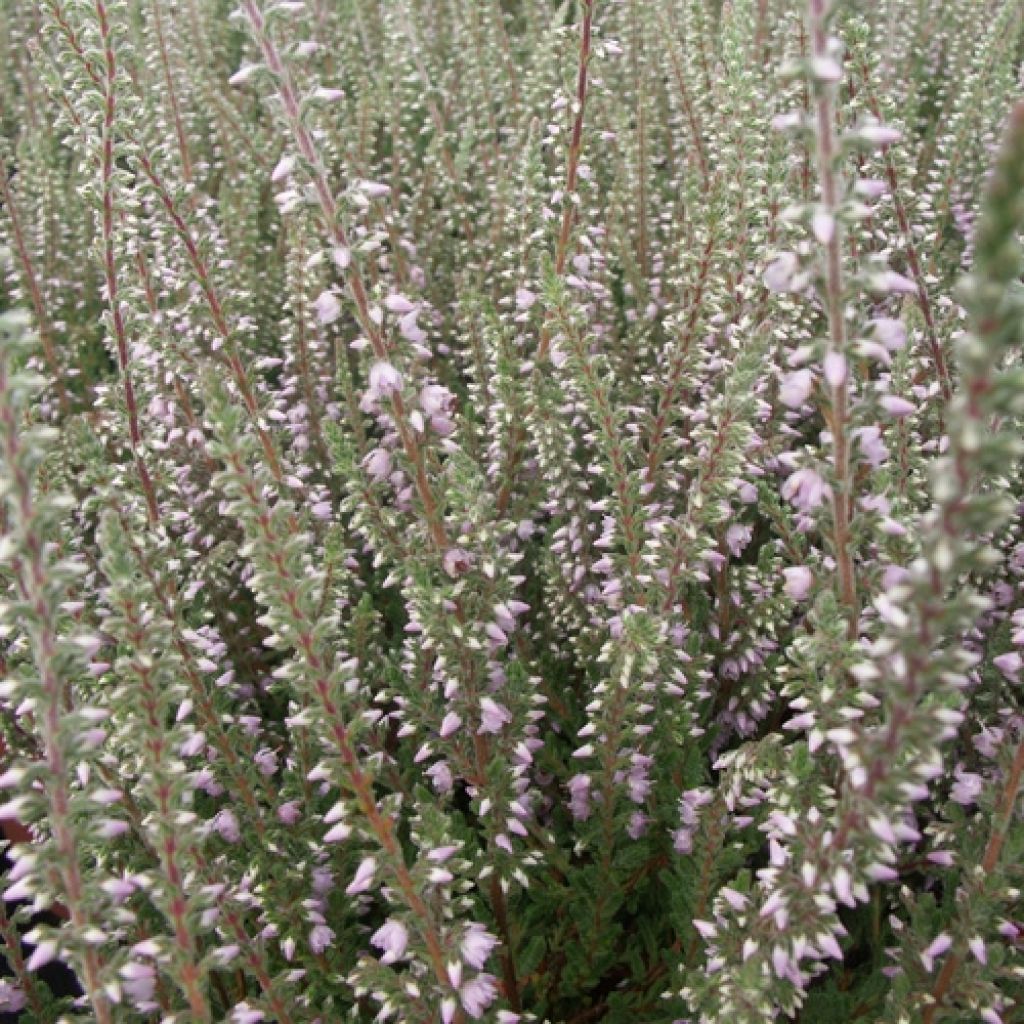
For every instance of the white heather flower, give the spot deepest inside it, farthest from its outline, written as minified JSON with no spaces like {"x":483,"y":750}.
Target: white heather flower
{"x":327,"y":307}
{"x":393,"y":938}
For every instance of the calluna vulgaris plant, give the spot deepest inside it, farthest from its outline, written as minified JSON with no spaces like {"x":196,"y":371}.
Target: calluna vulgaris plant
{"x":512,"y":510}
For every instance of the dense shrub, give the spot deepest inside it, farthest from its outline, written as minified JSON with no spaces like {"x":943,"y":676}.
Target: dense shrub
{"x":512,"y":510}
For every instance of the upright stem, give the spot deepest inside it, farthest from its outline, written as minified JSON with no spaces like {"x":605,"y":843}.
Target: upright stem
{"x":573,"y":161}
{"x":842,"y":497}
{"x":352,"y":276}
{"x":989,"y":862}
{"x":109,"y":259}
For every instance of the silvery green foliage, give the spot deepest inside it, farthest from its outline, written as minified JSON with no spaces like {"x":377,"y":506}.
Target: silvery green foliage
{"x":512,"y":511}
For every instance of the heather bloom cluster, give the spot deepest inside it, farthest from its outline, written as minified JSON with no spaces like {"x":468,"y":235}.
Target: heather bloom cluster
{"x":511,"y":512}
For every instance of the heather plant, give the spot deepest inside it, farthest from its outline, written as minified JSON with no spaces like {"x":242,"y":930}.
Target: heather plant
{"x":511,"y":510}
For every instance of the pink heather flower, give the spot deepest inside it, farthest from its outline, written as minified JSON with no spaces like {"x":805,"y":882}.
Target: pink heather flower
{"x":782,"y":274}
{"x":373,"y":189}
{"x":796,"y":388}
{"x":440,"y":775}
{"x":823,"y":226}
{"x":397,"y":303}
{"x":493,"y":716}
{"x":891,"y":333}
{"x":896,"y":406}
{"x":138,"y":982}
{"x":289,"y":813}
{"x":977,"y":948}
{"x":799,"y":580}
{"x":939,"y":945}
{"x":364,"y":876}
{"x":477,"y":994}
{"x":282,"y":169}
{"x":806,"y":489}
{"x":449,"y":724}
{"x":437,"y":400}
{"x":1010,"y":665}
{"x":226,"y":825}
{"x":525,"y":298}
{"x":737,"y":537}
{"x":476,"y":946}
{"x":327,"y":307}
{"x":12,"y":999}
{"x":967,"y":787}
{"x":637,"y":825}
{"x":243,"y":1013}
{"x":834,"y":368}
{"x":878,"y":134}
{"x":579,"y":797}
{"x":320,"y":937}
{"x":378,"y":464}
{"x":393,"y":938}
{"x":872,"y":445}
{"x":385,"y":379}
{"x":457,"y":562}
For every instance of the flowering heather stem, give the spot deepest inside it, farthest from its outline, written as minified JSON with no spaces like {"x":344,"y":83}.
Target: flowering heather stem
{"x":572,"y":166}
{"x":33,"y":577}
{"x":1005,"y":808}
{"x":42,"y":319}
{"x":842,"y":499}
{"x":110,"y":259}
{"x":352,"y":275}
